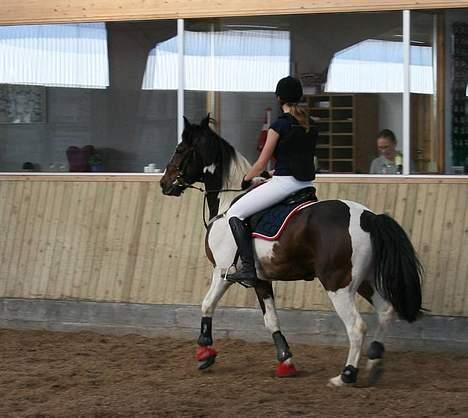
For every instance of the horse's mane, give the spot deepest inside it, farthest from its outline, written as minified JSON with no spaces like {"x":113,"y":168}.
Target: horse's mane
{"x":233,"y":167}
{"x":224,"y":149}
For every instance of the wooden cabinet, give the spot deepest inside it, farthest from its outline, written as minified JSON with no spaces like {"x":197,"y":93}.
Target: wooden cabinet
{"x":348,"y":128}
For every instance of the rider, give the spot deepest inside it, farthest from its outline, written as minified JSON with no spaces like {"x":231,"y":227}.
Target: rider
{"x":291,"y":140}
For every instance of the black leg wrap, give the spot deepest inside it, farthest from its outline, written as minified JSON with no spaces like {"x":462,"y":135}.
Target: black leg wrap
{"x":376,"y":350}
{"x":282,"y":347}
{"x":349,"y":374}
{"x":205,"y":338}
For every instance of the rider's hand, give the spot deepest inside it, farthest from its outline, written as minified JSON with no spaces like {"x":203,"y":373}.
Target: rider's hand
{"x":246,"y":184}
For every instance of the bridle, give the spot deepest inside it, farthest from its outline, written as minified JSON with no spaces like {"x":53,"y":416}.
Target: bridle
{"x":182,"y":183}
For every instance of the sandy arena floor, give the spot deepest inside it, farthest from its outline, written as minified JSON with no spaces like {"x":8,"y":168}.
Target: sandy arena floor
{"x":45,"y":374}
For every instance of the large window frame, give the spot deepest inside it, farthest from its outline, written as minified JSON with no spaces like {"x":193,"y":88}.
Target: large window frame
{"x":406,"y":87}
{"x":406,"y":99}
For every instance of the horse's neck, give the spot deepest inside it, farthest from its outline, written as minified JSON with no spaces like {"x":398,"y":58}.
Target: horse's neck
{"x":238,"y":169}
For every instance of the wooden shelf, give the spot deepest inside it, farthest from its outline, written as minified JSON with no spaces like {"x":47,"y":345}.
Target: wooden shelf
{"x":351,"y":123}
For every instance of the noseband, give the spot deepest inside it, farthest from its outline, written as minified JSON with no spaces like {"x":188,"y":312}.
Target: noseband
{"x":180,"y":181}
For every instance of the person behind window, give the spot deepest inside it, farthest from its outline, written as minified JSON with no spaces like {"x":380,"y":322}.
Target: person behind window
{"x":390,"y":160}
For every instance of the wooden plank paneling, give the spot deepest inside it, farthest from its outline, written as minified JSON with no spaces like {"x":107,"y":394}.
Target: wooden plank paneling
{"x":124,"y":241}
{"x":322,"y":179}
{"x":47,"y":11}
{"x":454,"y":286}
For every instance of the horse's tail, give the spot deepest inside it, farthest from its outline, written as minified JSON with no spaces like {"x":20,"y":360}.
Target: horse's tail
{"x":397,"y":270}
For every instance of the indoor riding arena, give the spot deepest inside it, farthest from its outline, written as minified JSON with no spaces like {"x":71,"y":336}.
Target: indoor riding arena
{"x":106,"y":292}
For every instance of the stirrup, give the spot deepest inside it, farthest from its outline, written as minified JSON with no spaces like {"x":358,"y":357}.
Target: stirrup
{"x":246,"y":282}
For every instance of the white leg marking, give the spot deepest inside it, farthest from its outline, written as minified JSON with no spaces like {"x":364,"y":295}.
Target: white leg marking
{"x":271,"y":316}
{"x":385,"y":314}
{"x":345,"y":306}
{"x":215,"y":293}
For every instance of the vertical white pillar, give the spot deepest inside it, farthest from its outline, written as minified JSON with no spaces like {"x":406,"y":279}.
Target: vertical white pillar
{"x":180,"y":78}
{"x":406,"y":91}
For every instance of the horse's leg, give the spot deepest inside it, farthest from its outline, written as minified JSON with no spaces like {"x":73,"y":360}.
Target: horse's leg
{"x":345,"y":306}
{"x":264,"y":291}
{"x":375,"y":352}
{"x":206,"y":354}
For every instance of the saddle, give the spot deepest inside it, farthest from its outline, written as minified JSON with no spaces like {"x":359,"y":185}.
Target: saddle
{"x":269,"y":223}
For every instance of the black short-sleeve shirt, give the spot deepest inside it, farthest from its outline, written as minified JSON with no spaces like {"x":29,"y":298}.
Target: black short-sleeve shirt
{"x":282,"y":126}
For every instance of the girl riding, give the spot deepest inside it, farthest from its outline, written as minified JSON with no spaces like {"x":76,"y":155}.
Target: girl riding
{"x":291,"y":141}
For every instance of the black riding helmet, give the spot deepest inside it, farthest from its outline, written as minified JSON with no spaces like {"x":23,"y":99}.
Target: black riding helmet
{"x":289,"y":90}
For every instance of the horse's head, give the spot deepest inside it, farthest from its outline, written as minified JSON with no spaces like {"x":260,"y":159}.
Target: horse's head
{"x":194,"y":158}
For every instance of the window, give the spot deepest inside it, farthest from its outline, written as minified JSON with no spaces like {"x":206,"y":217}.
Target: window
{"x":98,"y":118}
{"x":115,"y":87}
{"x":72,"y":55}
{"x":376,"y":66}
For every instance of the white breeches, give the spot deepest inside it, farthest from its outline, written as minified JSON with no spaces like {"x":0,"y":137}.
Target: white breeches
{"x":269,"y":193}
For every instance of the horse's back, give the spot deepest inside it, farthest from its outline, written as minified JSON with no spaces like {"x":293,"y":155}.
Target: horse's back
{"x":335,"y":211}
{"x":321,"y":240}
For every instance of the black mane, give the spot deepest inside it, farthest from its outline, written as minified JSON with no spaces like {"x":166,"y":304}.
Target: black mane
{"x":212,"y":147}
{"x":225,"y":150}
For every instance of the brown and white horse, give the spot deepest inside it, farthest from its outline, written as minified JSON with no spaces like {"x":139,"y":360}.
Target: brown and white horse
{"x":342,"y":243}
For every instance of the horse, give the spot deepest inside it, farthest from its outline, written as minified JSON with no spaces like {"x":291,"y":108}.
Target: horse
{"x":345,"y":245}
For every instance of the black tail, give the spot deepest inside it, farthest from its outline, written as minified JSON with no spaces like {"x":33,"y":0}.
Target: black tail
{"x":397,"y":270}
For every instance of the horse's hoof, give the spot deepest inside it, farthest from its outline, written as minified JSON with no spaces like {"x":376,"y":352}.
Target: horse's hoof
{"x":206,"y":357}
{"x":286,"y":369}
{"x":203,"y":365}
{"x":374,"y":371}
{"x":337,"y":381}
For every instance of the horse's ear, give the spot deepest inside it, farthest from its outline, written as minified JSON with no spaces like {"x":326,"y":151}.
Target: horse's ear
{"x":186,"y":134}
{"x":205,"y":122}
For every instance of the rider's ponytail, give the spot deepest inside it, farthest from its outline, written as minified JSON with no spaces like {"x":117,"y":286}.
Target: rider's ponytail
{"x":300,"y":114}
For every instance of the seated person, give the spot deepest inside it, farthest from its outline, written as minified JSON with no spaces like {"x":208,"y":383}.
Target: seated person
{"x":390,"y":160}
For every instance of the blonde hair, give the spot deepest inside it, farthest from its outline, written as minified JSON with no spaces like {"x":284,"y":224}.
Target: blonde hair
{"x":300,"y":114}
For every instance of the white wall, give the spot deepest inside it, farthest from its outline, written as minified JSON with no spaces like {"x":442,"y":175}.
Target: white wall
{"x":82,"y":116}
{"x":242,"y":117}
{"x":391,"y":114}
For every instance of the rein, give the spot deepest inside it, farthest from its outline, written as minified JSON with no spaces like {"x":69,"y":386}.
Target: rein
{"x":205,"y":197}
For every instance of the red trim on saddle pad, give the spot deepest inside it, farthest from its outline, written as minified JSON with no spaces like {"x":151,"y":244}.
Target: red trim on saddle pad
{"x":283,"y":225}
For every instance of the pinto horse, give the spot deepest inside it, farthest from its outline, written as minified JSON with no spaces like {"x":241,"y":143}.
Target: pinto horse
{"x":342,"y":243}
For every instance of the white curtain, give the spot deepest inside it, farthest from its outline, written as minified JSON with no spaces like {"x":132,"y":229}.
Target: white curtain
{"x":375,"y":66}
{"x":71,"y":55}
{"x":236,"y":61}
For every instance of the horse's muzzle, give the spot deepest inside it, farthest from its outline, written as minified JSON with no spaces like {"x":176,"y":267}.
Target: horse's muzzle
{"x":172,"y":189}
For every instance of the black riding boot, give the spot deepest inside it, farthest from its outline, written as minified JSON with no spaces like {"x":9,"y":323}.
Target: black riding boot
{"x":246,"y":275}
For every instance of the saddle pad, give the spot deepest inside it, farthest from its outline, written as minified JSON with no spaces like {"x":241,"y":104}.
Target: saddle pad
{"x":273,"y":221}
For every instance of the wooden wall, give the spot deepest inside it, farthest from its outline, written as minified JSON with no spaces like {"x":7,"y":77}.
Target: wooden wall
{"x":118,"y":239}
{"x":48,"y":11}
